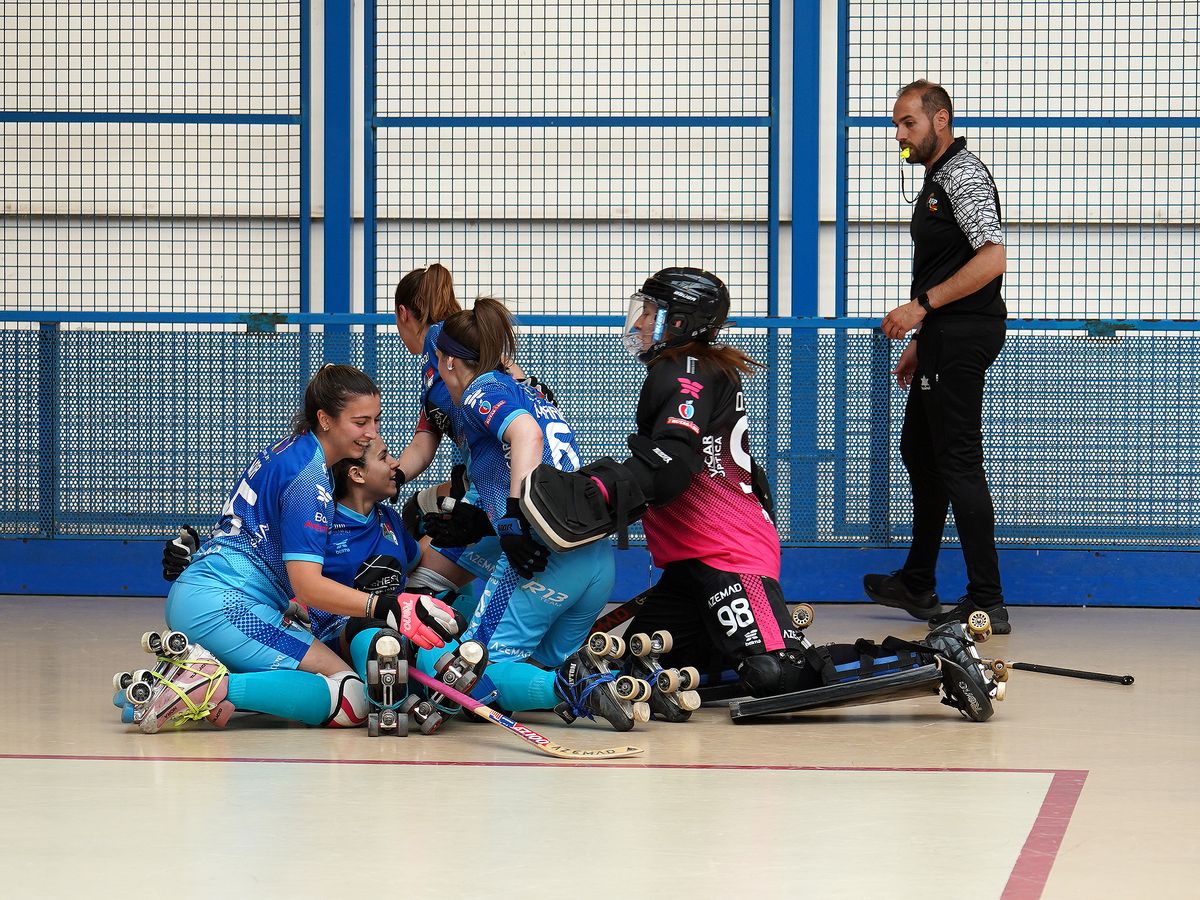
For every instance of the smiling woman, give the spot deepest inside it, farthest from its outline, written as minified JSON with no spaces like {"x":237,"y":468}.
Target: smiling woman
{"x":267,"y":548}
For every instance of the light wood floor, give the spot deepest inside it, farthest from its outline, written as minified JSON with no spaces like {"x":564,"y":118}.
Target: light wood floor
{"x":1074,"y":790}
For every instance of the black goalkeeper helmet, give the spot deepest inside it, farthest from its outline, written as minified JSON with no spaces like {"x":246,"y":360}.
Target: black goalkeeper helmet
{"x":691,"y":305}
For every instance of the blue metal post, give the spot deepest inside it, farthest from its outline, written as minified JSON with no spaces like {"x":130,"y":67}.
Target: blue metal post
{"x":806,"y":228}
{"x":339,"y":210}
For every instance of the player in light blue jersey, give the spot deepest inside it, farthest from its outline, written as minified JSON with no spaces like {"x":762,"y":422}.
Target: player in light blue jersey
{"x":424,"y":299}
{"x":538,"y":606}
{"x":269,"y":546}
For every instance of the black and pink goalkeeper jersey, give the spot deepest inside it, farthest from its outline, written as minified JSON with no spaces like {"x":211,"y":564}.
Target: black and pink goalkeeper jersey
{"x":718,"y":519}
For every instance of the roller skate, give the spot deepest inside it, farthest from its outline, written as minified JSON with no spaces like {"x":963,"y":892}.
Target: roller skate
{"x":167,"y":646}
{"x":673,"y":696}
{"x":193,"y":689}
{"x":387,"y":680}
{"x":969,"y":683}
{"x":589,"y":688}
{"x":459,"y":669}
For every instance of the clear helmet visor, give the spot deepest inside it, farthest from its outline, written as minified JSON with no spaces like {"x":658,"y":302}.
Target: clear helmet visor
{"x":645,"y":324}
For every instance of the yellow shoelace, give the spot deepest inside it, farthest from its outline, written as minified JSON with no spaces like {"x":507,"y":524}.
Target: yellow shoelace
{"x":194,"y":712}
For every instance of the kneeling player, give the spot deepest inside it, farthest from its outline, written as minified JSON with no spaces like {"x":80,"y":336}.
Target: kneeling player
{"x":707,"y":512}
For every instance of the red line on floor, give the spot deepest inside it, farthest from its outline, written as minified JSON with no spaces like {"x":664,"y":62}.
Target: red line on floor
{"x":1032,"y":869}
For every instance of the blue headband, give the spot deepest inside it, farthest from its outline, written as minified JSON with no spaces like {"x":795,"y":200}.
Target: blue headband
{"x":451,"y":347}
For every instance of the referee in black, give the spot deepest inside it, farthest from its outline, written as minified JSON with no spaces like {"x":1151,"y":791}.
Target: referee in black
{"x":959,"y":318}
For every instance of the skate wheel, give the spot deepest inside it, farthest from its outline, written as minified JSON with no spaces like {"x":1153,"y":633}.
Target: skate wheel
{"x":628,"y":688}
{"x":138,"y":692}
{"x":410,"y":704}
{"x":599,"y":644}
{"x":979,"y":626}
{"x":174,"y":642}
{"x":471,"y":652}
{"x":639,"y":645}
{"x":664,"y":639}
{"x":127,"y":714}
{"x":667,"y":681}
{"x":999,"y":669}
{"x":402,"y":725}
{"x":143,"y":675}
{"x":617,"y":647}
{"x":372,"y":671}
{"x":432,"y":723}
{"x":402,"y":671}
{"x":387,"y":645}
{"x":152,"y":642}
{"x":689,"y":701}
{"x":641,"y":712}
{"x":372,"y":720}
{"x":803,"y":615}
{"x":122,"y":680}
{"x":119,"y":699}
{"x":1001,"y":690}
{"x":689,"y":678}
{"x":443,"y":661}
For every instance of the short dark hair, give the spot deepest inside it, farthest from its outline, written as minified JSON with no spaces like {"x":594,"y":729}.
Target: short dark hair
{"x":934,"y":97}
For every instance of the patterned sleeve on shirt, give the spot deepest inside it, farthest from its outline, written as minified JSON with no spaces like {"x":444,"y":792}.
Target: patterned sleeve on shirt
{"x":973,"y":198}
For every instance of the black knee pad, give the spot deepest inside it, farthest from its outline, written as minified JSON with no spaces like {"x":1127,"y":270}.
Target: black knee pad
{"x":778,"y":672}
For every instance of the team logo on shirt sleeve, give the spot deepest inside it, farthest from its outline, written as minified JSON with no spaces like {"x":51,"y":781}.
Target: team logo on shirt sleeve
{"x":687,"y":409}
{"x":323,"y":495}
{"x":690,"y":388}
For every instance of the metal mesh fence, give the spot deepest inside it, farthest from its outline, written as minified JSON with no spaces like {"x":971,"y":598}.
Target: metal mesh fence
{"x":150,"y":157}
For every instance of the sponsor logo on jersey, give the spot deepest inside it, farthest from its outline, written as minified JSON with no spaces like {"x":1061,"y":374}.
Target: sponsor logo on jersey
{"x":324,"y":529}
{"x":687,"y":409}
{"x":323,"y":495}
{"x":494,"y":409}
{"x":690,"y":388}
{"x":712,"y":445}
{"x":740,"y":404}
{"x":254,"y":467}
{"x":430,"y":371}
{"x":932,"y":203}
{"x":320,"y":517}
{"x":723,"y":594}
{"x":925,"y":383}
{"x":484,"y":407}
{"x":388,"y":533}
{"x":341,"y":548}
{"x":690,"y":426}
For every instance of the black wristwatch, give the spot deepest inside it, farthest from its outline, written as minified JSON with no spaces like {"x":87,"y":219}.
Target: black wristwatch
{"x":923,"y":300}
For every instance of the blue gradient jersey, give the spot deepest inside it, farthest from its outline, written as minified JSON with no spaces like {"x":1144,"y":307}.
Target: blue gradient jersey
{"x":439,"y":416}
{"x":490,"y":404}
{"x":280,"y":510}
{"x":353,"y":538}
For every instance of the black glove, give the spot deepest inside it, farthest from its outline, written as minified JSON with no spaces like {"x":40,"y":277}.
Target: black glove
{"x":525,"y":555}
{"x":380,"y":573}
{"x":400,"y":478}
{"x":541,"y":387}
{"x":177,"y":553}
{"x":458,"y":523}
{"x":416,"y":508}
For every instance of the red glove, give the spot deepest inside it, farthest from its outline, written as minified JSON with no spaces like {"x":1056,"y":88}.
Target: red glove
{"x":424,"y":620}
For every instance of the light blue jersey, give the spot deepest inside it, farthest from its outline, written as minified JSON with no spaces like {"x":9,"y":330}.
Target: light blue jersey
{"x":232,"y":597}
{"x":546,"y":617}
{"x":280,"y":510}
{"x":490,"y":404}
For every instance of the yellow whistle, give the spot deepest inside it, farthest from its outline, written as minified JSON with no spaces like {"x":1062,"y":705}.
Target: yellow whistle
{"x":904,"y":154}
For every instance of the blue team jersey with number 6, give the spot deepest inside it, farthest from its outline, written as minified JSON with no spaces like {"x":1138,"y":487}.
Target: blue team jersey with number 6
{"x":280,"y":510}
{"x":490,"y":405}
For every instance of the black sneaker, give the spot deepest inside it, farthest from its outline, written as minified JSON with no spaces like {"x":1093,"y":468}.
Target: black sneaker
{"x":963,"y":609}
{"x":890,"y":590}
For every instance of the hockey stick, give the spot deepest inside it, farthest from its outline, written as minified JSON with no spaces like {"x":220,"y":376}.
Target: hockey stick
{"x":621,"y":614}
{"x":1072,"y":673}
{"x":522,"y":731}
